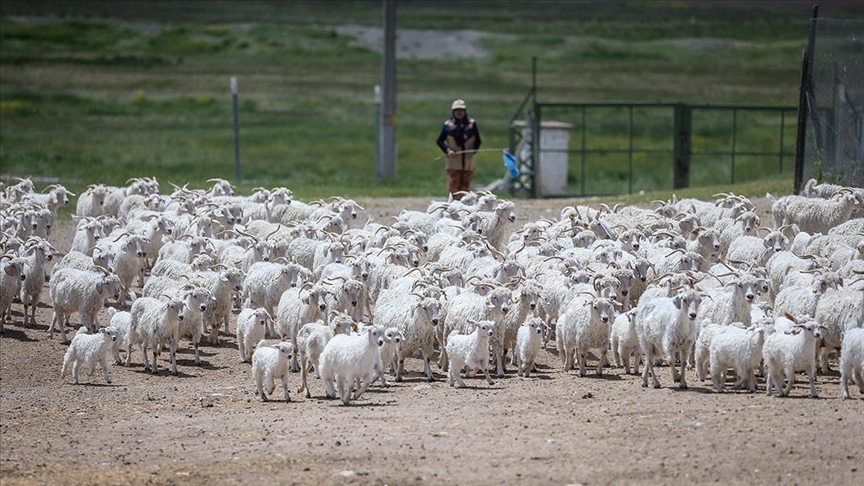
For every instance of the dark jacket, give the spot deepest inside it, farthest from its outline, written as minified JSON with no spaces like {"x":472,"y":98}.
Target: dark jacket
{"x":465,"y":135}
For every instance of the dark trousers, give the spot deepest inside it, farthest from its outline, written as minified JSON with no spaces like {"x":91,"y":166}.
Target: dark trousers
{"x":459,"y":181}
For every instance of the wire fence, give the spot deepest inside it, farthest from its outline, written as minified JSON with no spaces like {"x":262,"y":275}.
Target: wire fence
{"x":832,"y":90}
{"x":580,"y":149}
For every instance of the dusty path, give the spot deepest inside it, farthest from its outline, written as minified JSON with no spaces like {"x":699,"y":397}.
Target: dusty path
{"x":206,"y":426}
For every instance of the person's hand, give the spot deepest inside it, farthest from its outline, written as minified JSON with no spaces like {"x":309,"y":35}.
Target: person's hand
{"x":450,"y":151}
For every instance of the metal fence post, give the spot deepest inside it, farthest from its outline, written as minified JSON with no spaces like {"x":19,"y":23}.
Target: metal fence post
{"x":536,"y":177}
{"x":388,"y":110}
{"x":377,"y":100}
{"x":535,"y":132}
{"x":582,"y":156}
{"x":803,"y":108}
{"x":782,"y":128}
{"x":630,"y":151}
{"x":682,"y":149}
{"x":734,"y":144}
{"x":236,"y":131}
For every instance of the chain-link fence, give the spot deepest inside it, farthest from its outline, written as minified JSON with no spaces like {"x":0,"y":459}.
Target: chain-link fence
{"x":833,"y":93}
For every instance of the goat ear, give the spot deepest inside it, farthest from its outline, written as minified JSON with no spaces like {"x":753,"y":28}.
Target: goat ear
{"x":677,"y":301}
{"x":100,"y":286}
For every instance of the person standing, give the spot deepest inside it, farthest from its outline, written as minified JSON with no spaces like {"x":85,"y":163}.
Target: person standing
{"x":459,"y":140}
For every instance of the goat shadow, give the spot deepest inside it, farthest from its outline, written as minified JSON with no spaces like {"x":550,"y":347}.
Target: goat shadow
{"x":205,"y":365}
{"x":603,"y":377}
{"x":336,"y":402}
{"x":17,"y":334}
{"x":99,"y":385}
{"x":163,"y":371}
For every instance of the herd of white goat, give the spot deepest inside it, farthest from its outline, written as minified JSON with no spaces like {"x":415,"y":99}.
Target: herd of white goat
{"x":699,"y":285}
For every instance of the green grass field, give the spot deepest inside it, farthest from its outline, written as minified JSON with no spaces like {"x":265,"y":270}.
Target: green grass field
{"x":103,"y":91}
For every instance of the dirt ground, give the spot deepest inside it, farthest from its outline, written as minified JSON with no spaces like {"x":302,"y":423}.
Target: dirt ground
{"x":206,"y":426}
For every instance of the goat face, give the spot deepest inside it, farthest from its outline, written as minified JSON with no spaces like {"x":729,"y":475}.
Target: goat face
{"x":688,"y":302}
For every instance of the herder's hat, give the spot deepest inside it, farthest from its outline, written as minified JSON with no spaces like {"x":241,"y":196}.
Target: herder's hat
{"x":457,"y":105}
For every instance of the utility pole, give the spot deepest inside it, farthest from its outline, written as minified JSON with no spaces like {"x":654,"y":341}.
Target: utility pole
{"x":387,"y":161}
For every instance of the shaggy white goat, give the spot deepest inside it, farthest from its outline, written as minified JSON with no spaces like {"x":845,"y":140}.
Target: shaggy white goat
{"x":852,"y":361}
{"x":469,"y":351}
{"x":89,"y":349}
{"x":270,"y":363}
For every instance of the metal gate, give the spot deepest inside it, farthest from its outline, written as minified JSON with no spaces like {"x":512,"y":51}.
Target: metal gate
{"x":627,"y":147}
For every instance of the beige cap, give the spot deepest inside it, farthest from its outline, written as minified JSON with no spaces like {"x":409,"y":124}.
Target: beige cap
{"x":458,"y":104}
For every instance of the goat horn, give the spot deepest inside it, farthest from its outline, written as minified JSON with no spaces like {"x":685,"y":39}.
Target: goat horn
{"x":125,"y":233}
{"x":278,"y":227}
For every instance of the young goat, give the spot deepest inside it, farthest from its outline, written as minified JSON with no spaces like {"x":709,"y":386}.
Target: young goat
{"x":469,"y":350}
{"x":270,"y":363}
{"x":89,"y":349}
{"x":852,"y":361}
{"x":788,"y":351}
{"x":528,"y":340}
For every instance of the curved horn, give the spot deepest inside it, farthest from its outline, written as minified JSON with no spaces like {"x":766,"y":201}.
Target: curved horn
{"x":103,"y":269}
{"x":254,"y":238}
{"x":278,"y":227}
{"x":125,"y":233}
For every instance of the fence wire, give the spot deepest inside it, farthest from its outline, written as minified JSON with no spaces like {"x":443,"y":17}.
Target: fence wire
{"x":835,"y":101}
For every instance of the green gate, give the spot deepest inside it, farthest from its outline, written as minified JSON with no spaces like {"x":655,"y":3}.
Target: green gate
{"x":605,"y":148}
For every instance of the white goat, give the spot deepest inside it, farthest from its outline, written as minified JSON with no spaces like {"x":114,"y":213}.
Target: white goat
{"x":266,"y":281}
{"x":786,"y":352}
{"x":528,"y":340}
{"x":624,"y":341}
{"x":666,"y":328}
{"x":815,"y":215}
{"x":740,"y":349}
{"x":296,"y":307}
{"x":87,"y":233}
{"x":12,"y":273}
{"x":347,"y":359}
{"x":416,"y":317}
{"x":92,"y":201}
{"x":251,"y":325}
{"x":838,"y":311}
{"x":155,"y":323}
{"x":36,"y":253}
{"x":469,"y":351}
{"x":585,"y":324}
{"x":89,"y":349}
{"x":80,"y":291}
{"x":121,"y":321}
{"x":311,"y":340}
{"x":852,"y":361}
{"x":270,"y":363}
